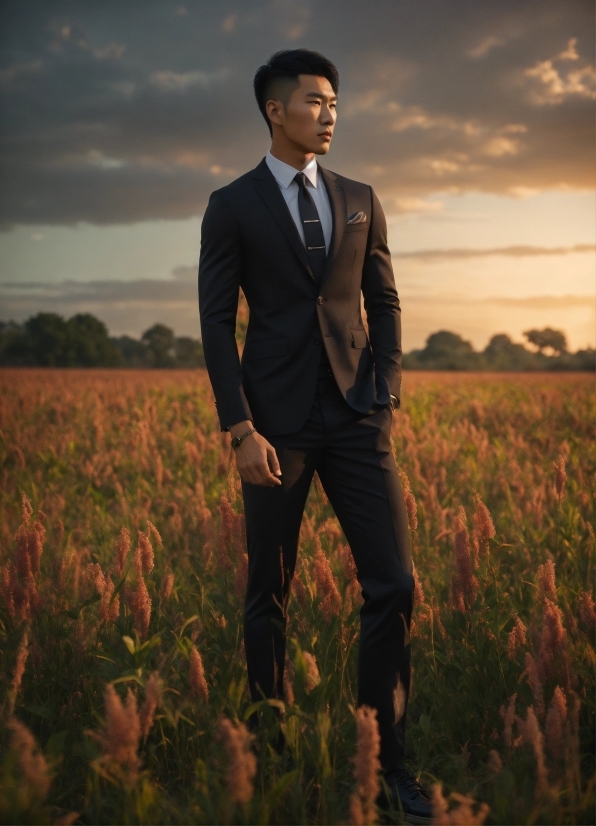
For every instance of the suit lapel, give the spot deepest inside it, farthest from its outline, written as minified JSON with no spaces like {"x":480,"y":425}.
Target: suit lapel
{"x":337,"y":200}
{"x":268,"y":189}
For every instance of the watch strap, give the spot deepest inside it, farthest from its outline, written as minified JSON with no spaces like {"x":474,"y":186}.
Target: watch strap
{"x":238,"y":439}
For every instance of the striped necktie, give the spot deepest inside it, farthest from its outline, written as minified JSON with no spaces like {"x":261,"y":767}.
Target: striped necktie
{"x":313,"y":231}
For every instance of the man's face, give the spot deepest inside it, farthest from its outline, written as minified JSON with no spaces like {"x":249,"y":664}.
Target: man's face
{"x":308,"y":117}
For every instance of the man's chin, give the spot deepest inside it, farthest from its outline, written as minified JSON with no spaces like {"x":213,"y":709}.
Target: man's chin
{"x":322,"y":150}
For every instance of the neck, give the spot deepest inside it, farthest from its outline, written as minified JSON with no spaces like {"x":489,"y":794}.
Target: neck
{"x":290,"y":153}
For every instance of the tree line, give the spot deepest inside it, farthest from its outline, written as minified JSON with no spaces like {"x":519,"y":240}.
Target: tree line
{"x":448,"y":351}
{"x":48,"y":340}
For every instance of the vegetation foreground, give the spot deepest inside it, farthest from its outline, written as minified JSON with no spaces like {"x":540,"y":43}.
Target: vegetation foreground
{"x":122,"y":576}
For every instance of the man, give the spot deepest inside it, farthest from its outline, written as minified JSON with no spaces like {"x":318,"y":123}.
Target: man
{"x":313,"y":391}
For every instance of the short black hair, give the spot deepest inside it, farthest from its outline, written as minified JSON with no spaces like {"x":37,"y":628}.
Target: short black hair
{"x":286,"y":66}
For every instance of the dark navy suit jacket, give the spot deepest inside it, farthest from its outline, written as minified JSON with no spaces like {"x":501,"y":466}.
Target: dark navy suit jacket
{"x":249,"y":241}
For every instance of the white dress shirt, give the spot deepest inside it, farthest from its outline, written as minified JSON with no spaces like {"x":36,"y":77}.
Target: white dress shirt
{"x":284,"y":174}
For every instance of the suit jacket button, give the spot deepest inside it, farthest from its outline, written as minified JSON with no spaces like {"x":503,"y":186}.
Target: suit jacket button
{"x":317,"y":340}
{"x":320,"y":299}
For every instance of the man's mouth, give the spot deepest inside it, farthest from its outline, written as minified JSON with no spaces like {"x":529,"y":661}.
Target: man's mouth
{"x":327,"y":135}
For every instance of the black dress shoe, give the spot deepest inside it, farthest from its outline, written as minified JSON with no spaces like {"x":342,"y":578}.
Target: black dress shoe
{"x":407,"y":795}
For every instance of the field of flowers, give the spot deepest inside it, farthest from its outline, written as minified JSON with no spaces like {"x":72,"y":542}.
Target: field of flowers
{"x":122,"y":573}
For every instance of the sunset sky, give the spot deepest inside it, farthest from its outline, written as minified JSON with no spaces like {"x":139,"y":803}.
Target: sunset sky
{"x":472,"y":119}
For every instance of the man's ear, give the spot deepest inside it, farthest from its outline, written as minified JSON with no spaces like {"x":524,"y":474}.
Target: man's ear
{"x":275,"y":111}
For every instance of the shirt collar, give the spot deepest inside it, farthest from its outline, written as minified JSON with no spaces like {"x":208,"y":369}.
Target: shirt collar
{"x":284,"y":174}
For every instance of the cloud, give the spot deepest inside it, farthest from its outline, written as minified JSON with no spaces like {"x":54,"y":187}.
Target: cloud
{"x":477,"y":320}
{"x":132,"y":307}
{"x":553,"y":85}
{"x":168,"y":81}
{"x":125,"y":306}
{"x":486,"y":45}
{"x":438,"y":255}
{"x":140,"y":112}
{"x":544,"y":302}
{"x":158,"y":292}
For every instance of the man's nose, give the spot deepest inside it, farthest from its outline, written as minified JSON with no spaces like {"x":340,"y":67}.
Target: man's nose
{"x":327,"y":115}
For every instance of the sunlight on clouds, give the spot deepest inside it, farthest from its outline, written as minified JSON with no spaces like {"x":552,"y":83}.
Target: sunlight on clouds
{"x":499,"y":146}
{"x":553,"y":86}
{"x":397,"y":206}
{"x":478,"y":320}
{"x":486,"y":45}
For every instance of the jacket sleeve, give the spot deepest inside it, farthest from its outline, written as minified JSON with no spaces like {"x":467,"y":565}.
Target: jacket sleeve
{"x":220,"y":268}
{"x":382,"y":308}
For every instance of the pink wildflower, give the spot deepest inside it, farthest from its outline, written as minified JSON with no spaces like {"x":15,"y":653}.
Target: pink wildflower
{"x":21,"y":661}
{"x":410,"y":501}
{"x":484,"y":527}
{"x":555,"y":722}
{"x":122,"y":733}
{"x":494,"y":762}
{"x":366,"y":767}
{"x":32,"y":763}
{"x":464,"y":585}
{"x":150,"y":704}
{"x":462,"y":814}
{"x":196,"y":677}
{"x":241,"y":576}
{"x":516,"y":639}
{"x":533,"y":673}
{"x":533,"y":737}
{"x":122,"y":551}
{"x":140,"y":604}
{"x":145,"y":552}
{"x":326,"y":584}
{"x":242,"y":763}
{"x":167,"y":586}
{"x":312,"y":671}
{"x":418,"y":592}
{"x":554,"y":637}
{"x":546,"y":580}
{"x":587,"y":614}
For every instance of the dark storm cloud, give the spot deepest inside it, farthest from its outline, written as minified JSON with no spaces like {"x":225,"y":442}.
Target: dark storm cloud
{"x":114,"y":113}
{"x":125,"y":306}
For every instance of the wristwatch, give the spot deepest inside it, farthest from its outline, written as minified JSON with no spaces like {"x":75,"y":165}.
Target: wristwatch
{"x":238,"y":439}
{"x":393,"y":404}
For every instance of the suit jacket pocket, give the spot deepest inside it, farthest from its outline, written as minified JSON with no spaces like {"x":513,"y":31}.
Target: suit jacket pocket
{"x":361,"y":227}
{"x":266,"y":348}
{"x":359,"y":339}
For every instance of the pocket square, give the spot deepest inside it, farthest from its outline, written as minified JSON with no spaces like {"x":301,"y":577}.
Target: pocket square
{"x":357,"y":218}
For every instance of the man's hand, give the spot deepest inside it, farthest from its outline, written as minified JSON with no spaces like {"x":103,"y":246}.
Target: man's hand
{"x":256,"y":458}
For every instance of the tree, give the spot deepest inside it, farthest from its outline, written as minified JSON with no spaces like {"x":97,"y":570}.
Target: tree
{"x":47,"y":339}
{"x":448,"y":351}
{"x":134,"y":353}
{"x":15,"y":345}
{"x":547,"y":339}
{"x":88,"y":343}
{"x":189,"y":352}
{"x":503,"y":354}
{"x":159,"y":340}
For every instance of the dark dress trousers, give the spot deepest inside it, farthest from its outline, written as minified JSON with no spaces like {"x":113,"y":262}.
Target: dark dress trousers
{"x":319,"y":389}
